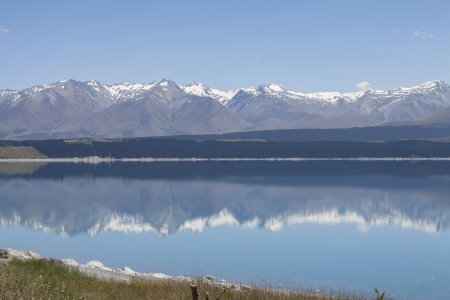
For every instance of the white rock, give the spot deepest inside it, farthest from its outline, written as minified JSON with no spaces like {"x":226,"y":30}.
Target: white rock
{"x":160,"y":275}
{"x":95,"y":264}
{"x":18,"y":254}
{"x":245,"y":288}
{"x":70,"y":262}
{"x":127,"y":270}
{"x":210,"y":277}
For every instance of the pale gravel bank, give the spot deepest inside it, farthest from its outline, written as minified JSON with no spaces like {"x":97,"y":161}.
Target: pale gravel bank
{"x":94,"y":160}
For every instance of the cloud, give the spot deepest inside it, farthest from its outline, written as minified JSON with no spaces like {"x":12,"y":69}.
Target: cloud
{"x":363,"y":85}
{"x":396,"y":30}
{"x":418,"y":34}
{"x":3,"y":29}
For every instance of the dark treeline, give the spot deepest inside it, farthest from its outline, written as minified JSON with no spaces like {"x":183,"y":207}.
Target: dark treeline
{"x":174,"y":148}
{"x":356,"y":134}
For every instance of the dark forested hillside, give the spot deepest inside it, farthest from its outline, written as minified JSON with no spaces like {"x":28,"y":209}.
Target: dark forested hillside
{"x":361,"y":134}
{"x":174,"y":148}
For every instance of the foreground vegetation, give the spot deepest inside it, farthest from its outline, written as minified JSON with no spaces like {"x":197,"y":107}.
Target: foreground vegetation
{"x":41,"y":279}
{"x":15,"y":152}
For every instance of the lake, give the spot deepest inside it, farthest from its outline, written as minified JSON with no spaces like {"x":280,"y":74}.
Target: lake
{"x":314,"y":225}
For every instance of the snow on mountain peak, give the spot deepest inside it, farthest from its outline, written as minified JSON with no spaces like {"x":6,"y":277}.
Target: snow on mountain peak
{"x":275,"y":87}
{"x":95,"y":85}
{"x":166,"y":82}
{"x":124,"y":91}
{"x":93,"y":82}
{"x":277,"y":91}
{"x":426,"y":86}
{"x":127,"y":91}
{"x":431,"y":84}
{"x":38,"y":88}
{"x":197,"y":88}
{"x":202,"y":90}
{"x":7,"y":92}
{"x":270,"y":89}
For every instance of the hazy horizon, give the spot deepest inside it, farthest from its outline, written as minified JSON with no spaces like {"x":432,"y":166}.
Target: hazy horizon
{"x":305,"y":46}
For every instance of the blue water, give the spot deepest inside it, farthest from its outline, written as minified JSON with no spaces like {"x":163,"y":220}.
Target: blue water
{"x":314,"y":225}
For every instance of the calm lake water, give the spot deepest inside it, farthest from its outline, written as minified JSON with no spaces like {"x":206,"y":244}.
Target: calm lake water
{"x":314,"y":225}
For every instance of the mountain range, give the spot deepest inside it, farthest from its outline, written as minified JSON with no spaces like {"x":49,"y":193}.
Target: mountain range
{"x":74,"y":109}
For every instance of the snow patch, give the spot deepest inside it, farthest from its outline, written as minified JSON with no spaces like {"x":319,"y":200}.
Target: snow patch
{"x":124,"y":91}
{"x":201,"y":90}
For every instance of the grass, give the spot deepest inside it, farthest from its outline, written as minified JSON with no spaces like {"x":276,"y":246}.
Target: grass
{"x":18,"y":152}
{"x":47,"y":279}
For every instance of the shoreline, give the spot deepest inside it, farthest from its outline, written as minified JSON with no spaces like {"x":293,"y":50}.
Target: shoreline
{"x":59,"y":277}
{"x":200,"y":159}
{"x":98,"y":270}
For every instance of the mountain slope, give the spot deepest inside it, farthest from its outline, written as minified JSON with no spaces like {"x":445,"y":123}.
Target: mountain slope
{"x":272,"y":107}
{"x":43,"y":108}
{"x":199,"y":89}
{"x":70,"y":108}
{"x":163,"y":108}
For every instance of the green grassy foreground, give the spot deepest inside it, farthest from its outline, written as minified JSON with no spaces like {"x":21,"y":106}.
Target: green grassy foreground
{"x":41,"y":279}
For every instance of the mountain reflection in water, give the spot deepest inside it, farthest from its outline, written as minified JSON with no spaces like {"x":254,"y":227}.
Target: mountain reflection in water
{"x":166,"y":197}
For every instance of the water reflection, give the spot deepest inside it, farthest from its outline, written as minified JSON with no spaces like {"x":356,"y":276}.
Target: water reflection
{"x":165,"y":198}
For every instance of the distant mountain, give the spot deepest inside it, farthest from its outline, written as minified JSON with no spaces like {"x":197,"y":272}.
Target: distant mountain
{"x":70,"y":108}
{"x":272,"y":107}
{"x":44,"y":108}
{"x":161,"y":108}
{"x":199,"y":89}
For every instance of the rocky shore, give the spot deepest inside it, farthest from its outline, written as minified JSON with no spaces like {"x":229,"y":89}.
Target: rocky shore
{"x":98,"y":270}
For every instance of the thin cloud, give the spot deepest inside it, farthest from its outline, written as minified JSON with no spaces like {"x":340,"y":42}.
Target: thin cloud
{"x":396,"y":30}
{"x":3,"y":29}
{"x":363,"y":85}
{"x":418,"y":34}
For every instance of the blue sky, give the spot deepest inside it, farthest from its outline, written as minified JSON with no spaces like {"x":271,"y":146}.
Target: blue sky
{"x":303,"y":45}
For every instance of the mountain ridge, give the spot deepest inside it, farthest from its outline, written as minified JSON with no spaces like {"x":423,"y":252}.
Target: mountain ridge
{"x":73,"y":109}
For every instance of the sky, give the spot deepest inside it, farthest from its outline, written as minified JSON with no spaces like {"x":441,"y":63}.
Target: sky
{"x":302,"y":45}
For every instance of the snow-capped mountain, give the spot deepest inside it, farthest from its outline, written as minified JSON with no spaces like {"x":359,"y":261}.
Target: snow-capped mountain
{"x":199,"y":89}
{"x":277,"y":91}
{"x":70,"y":108}
{"x":8,"y":96}
{"x":122,"y":91}
{"x":155,"y":109}
{"x":272,"y":107}
{"x":7,"y":92}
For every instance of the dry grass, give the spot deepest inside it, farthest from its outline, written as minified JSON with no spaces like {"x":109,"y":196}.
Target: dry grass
{"x":40,"y":279}
{"x":13,"y":152}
